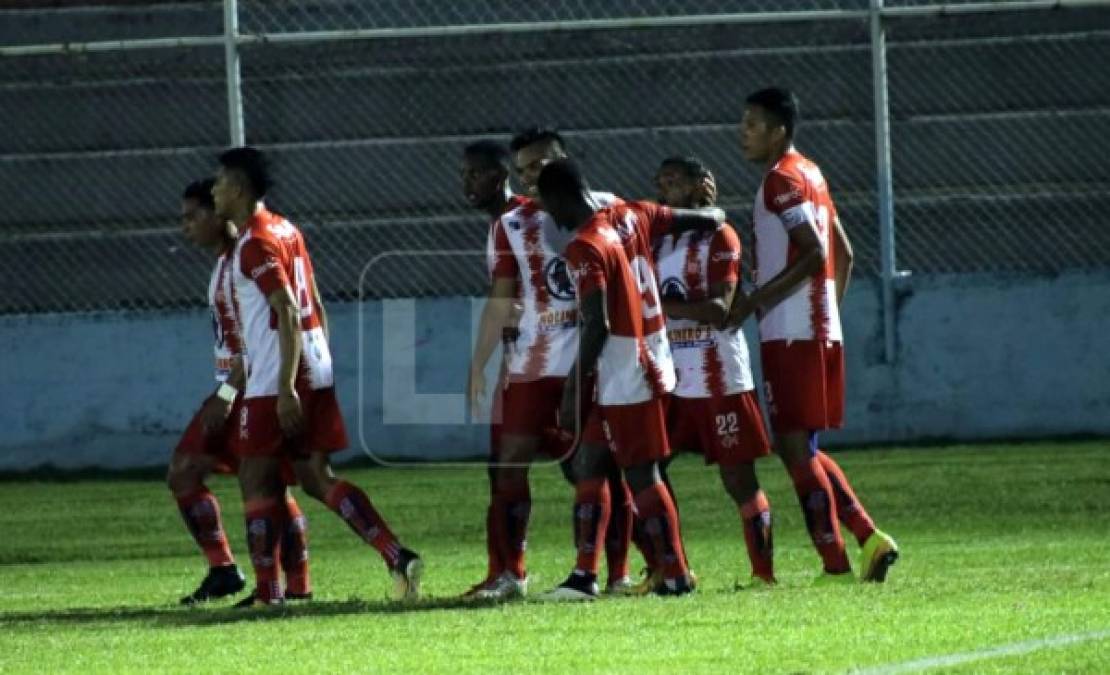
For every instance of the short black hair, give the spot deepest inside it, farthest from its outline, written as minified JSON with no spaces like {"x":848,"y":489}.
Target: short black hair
{"x":561,"y":178}
{"x":536,"y":135}
{"x":200,"y":191}
{"x":254,"y":166}
{"x":692,"y":166}
{"x":491,"y":153}
{"x":780,"y":104}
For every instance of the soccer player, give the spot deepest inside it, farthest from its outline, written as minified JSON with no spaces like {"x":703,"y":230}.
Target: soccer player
{"x":289,"y":408}
{"x":803,"y":262}
{"x":623,"y":344}
{"x":527,"y":262}
{"x":714,"y":408}
{"x":205,"y":446}
{"x":485,"y":183}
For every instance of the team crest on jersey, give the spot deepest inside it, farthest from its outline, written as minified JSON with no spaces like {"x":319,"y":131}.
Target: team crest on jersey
{"x":673,"y":288}
{"x":559,"y":284}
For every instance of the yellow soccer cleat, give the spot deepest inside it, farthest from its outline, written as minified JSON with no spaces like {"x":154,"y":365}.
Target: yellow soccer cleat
{"x":647,"y":585}
{"x":879,"y":552}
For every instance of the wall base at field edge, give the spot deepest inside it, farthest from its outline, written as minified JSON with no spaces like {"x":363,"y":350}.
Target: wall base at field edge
{"x":979,"y":357}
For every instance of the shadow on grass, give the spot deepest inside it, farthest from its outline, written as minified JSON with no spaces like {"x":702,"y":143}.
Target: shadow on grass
{"x":206,"y":616}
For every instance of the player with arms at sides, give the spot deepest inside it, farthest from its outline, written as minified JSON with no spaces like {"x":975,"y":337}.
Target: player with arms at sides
{"x":623,"y":348}
{"x":289,"y":408}
{"x":205,"y":447}
{"x":803,"y":262}
{"x":485,"y":183}
{"x":528,"y":264}
{"x":714,"y":408}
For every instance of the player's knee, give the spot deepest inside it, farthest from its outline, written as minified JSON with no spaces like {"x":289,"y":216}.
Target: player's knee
{"x":183,"y":478}
{"x":642,"y":476}
{"x":793,"y":447}
{"x":518,"y":449}
{"x":512,"y":478}
{"x":740,"y":481}
{"x":589,"y":462}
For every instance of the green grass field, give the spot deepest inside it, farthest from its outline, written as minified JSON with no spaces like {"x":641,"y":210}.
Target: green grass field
{"x":1003,"y":546}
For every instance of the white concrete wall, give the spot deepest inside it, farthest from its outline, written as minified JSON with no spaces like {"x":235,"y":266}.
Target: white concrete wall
{"x":979,"y":357}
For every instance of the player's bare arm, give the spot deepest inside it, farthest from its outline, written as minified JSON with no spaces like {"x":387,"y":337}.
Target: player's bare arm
{"x":496,"y":315}
{"x":705,"y":219}
{"x":593,"y":333}
{"x":289,"y":412}
{"x":842,"y":257}
{"x":711,"y":310}
{"x":320,"y":308}
{"x":810,"y":260}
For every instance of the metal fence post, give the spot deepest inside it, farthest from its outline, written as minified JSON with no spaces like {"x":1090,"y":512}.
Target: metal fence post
{"x":234,"y":82}
{"x":883,"y":176}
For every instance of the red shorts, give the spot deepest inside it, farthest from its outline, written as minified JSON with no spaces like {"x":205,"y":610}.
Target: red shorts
{"x":531,"y":409}
{"x":804,"y":384}
{"x":259,"y":434}
{"x":728,"y":430}
{"x":217,"y":444}
{"x":635,"y":433}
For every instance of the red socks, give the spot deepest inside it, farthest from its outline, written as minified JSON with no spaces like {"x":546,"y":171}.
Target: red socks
{"x":618,"y":536}
{"x":514,"y":506}
{"x":201,"y":512}
{"x":660,"y":521}
{"x":816,"y":498}
{"x":265,"y":523}
{"x":755,"y":514}
{"x":353,"y":506}
{"x":294,"y":550}
{"x":592,"y":507}
{"x":848,"y":507}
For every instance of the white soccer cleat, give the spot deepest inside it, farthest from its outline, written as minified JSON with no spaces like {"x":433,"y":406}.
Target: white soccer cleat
{"x":505,"y":587}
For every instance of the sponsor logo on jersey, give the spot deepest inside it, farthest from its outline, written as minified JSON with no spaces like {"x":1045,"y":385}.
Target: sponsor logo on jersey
{"x":694,"y":337}
{"x":559,"y":283}
{"x":284,"y":229}
{"x":263,"y":268}
{"x":558,"y":319}
{"x":722,"y":256}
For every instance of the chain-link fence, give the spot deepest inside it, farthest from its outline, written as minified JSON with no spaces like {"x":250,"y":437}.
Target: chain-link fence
{"x":999,"y":126}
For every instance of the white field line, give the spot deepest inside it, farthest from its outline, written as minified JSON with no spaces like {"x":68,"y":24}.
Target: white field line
{"x":1013,"y":649}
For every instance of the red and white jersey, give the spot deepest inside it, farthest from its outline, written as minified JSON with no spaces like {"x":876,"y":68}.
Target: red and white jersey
{"x":793,"y":193}
{"x":709,"y":362}
{"x":228,"y":343}
{"x":491,"y":237}
{"x":612,"y":252}
{"x":271,"y":254}
{"x":528,"y":247}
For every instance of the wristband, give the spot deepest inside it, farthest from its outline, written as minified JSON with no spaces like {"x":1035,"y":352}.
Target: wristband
{"x":226,"y":392}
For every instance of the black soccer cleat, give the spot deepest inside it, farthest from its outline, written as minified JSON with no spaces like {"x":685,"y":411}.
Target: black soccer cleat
{"x":680,"y":586}
{"x":220,"y":582}
{"x":252,"y":601}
